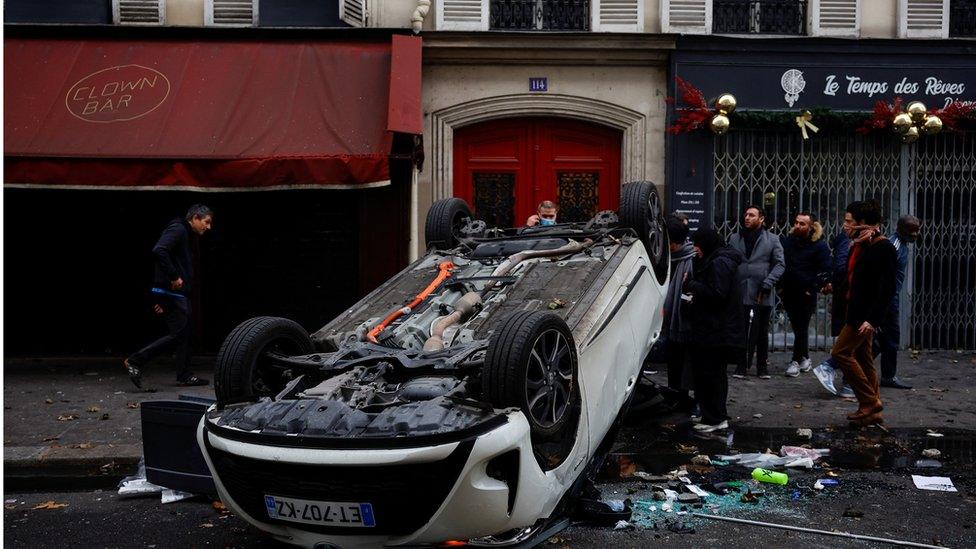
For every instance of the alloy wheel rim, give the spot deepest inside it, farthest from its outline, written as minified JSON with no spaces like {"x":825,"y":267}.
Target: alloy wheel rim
{"x":549,"y":378}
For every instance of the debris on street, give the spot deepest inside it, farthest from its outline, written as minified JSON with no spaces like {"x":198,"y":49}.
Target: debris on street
{"x":50,"y":504}
{"x":938,"y":484}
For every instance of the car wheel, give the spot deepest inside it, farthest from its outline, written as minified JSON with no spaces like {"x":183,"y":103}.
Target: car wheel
{"x":244,"y":369}
{"x":641,"y":210}
{"x":531,"y":364}
{"x":445,"y":218}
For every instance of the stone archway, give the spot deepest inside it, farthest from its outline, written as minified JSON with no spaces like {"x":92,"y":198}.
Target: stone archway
{"x":444,"y":121}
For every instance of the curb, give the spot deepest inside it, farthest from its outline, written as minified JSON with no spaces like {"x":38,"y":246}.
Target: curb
{"x":60,"y":467}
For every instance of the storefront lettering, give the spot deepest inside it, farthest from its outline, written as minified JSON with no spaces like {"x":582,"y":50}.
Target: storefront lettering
{"x":117,"y":93}
{"x":858,"y":86}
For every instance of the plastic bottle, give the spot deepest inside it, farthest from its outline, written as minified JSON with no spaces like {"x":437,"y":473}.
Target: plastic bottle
{"x":772,"y":477}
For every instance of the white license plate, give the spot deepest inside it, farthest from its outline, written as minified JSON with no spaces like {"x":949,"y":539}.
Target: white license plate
{"x":330,"y":513}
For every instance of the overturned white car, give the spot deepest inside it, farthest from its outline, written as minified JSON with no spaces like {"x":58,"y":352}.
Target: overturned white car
{"x":464,"y":399}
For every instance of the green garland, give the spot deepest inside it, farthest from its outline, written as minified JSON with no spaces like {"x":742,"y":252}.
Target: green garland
{"x":825,"y":119}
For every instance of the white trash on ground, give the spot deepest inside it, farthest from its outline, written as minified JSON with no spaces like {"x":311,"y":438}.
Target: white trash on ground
{"x":938,"y":484}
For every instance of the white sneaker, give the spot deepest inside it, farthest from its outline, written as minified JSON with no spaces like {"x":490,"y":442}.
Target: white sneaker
{"x":706,"y":428}
{"x":806,"y":365}
{"x":793,"y":369}
{"x":825,"y":375}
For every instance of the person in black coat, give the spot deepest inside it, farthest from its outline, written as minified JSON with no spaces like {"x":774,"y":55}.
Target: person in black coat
{"x":172,"y":278}
{"x":717,"y":324}
{"x":807,"y":273}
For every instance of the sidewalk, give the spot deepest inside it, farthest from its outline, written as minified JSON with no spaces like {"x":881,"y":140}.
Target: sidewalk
{"x":79,"y":423}
{"x":103,"y":441}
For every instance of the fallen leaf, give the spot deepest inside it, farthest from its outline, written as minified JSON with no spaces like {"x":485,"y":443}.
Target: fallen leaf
{"x":50,"y":504}
{"x":84,"y":446}
{"x":798,"y":406}
{"x":132,"y":405}
{"x":67,"y":417}
{"x":220,"y":507}
{"x":48,"y":401}
{"x":9,"y":507}
{"x":93,"y":409}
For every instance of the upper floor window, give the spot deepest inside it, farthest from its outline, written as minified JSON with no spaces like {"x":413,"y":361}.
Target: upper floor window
{"x":552,"y":15}
{"x":759,"y":17}
{"x":962,"y":18}
{"x":541,"y":15}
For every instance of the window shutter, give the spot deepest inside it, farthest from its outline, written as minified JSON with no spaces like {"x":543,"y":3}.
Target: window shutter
{"x":923,"y":18}
{"x":462,"y":15}
{"x":138,"y":12}
{"x":835,"y":18}
{"x":617,"y":16}
{"x":353,"y":12}
{"x":686,"y":16}
{"x":230,"y":13}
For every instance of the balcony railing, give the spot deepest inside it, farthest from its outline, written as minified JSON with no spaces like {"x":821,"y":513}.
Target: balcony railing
{"x":539,"y":15}
{"x":962,"y":18}
{"x":759,"y":17}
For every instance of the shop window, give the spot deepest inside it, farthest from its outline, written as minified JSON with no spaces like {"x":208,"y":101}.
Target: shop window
{"x":962,"y":18}
{"x":230,"y":13}
{"x":787,"y":17}
{"x":139,"y":12}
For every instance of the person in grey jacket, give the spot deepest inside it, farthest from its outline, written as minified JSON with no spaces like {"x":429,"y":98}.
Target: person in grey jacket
{"x":676,"y":329}
{"x":757,"y":275}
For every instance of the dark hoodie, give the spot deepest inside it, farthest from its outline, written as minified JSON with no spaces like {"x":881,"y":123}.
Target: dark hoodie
{"x":716,"y":309}
{"x":807,"y":262}
{"x":173,"y":257}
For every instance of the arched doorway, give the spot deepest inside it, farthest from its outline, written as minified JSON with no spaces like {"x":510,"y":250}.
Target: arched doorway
{"x":504,"y":168}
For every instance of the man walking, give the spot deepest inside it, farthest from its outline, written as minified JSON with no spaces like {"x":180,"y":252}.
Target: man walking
{"x":889,"y":333}
{"x":171,"y":290}
{"x":677,"y":327}
{"x":807,"y":272}
{"x":717,"y":327}
{"x":870,"y":287}
{"x":756,"y":276}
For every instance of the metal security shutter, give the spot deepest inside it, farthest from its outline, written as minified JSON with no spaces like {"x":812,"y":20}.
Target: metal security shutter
{"x":353,"y":12}
{"x":835,"y":18}
{"x":617,"y":16}
{"x":923,"y":18}
{"x":230,"y":13}
{"x":138,"y":12}
{"x":686,"y":16}
{"x":462,"y":15}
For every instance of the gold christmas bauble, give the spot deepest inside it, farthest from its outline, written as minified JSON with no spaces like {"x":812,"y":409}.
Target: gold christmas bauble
{"x":910,"y":136}
{"x":719,"y":124}
{"x":932,"y":125}
{"x":916,"y":109}
{"x":901,"y":123}
{"x":725,"y":103}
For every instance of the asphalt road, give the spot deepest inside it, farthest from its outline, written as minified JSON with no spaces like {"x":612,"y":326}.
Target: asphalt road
{"x":892,"y":508}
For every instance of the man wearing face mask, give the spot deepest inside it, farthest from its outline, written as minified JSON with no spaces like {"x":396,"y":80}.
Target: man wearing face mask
{"x":889,"y":333}
{"x":545,"y":215}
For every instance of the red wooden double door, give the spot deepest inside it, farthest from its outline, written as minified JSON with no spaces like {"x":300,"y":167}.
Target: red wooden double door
{"x":505,"y":168}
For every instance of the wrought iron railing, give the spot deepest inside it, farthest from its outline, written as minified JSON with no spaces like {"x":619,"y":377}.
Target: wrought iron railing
{"x":542,"y":15}
{"x":759,"y":17}
{"x":962,"y":18}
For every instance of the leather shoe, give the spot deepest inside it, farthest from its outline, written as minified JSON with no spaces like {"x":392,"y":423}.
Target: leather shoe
{"x":894,"y":383}
{"x":870,"y":419}
{"x":865,"y":411}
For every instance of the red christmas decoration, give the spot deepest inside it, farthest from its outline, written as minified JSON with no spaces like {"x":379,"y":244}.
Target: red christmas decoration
{"x":695,"y":115}
{"x":955,"y":113}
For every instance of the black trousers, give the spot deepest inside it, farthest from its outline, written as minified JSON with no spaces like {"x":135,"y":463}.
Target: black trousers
{"x":757,"y":337}
{"x":886,"y":341}
{"x":679,"y":372}
{"x":799,"y":308}
{"x":176,"y":316}
{"x":710,"y":372}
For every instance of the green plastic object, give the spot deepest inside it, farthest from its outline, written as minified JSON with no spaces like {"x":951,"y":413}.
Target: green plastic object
{"x":772,"y":477}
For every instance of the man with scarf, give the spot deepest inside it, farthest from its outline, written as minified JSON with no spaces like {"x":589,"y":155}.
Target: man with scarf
{"x":676,"y":328}
{"x":807,"y":272}
{"x":717,"y":327}
{"x":760,"y":270}
{"x":870,"y":288}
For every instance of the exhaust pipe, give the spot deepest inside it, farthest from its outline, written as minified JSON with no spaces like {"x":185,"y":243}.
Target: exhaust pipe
{"x":464,"y":309}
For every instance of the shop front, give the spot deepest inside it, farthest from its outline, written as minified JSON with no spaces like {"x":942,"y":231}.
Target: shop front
{"x":765,"y":159}
{"x":303,"y":146}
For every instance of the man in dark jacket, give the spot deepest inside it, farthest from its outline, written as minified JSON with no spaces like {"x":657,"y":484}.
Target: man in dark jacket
{"x":171,"y":290}
{"x":870,"y":288}
{"x":889,"y":335}
{"x":677,"y":327}
{"x":807,"y":272}
{"x":760,"y":270}
{"x":717,"y":327}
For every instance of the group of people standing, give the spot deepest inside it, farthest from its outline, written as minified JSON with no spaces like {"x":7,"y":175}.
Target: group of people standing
{"x":722,"y":294}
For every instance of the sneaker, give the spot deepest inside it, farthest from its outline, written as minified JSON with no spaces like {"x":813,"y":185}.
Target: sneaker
{"x":846,"y":392}
{"x":192,"y":381}
{"x":825,"y":375}
{"x":762,"y":371}
{"x":793,"y":369}
{"x":805,"y":365}
{"x":134,"y":374}
{"x":706,"y":428}
{"x":739,"y":373}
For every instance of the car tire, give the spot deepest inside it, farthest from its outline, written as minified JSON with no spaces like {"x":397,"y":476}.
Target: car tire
{"x":444,"y":221}
{"x":519,"y":372}
{"x":242,"y":373}
{"x":641,"y":209}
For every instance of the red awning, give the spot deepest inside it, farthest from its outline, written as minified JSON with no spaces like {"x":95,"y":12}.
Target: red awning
{"x":206,"y":114}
